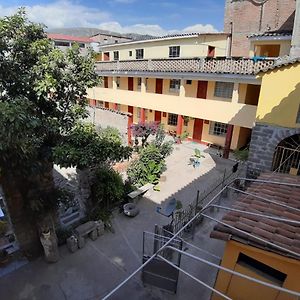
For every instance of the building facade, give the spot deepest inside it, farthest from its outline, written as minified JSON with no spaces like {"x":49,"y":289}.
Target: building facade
{"x":247,"y":17}
{"x":184,"y":82}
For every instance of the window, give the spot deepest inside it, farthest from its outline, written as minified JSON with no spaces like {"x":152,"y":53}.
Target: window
{"x":130,"y":53}
{"x":174,"y":85}
{"x":116,"y":55}
{"x":216,"y":128}
{"x":99,"y":103}
{"x":189,"y":82}
{"x":261,"y":269}
{"x":174,"y":51}
{"x":172,"y":119}
{"x":298,"y":116}
{"x":81,"y":45}
{"x":223,"y":89}
{"x":116,"y":41}
{"x":62,"y":44}
{"x":139,"y":53}
{"x":118,"y":107}
{"x":139,"y":83}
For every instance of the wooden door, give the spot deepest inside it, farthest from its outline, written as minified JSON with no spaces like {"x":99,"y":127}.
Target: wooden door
{"x":202,"y":89}
{"x":106,"y":82}
{"x":159,"y":86}
{"x":130,"y":83}
{"x":106,"y":56}
{"x":106,"y":104}
{"x":211,"y":51}
{"x":157,"y":116}
{"x":198,"y":127}
{"x":130,"y":109}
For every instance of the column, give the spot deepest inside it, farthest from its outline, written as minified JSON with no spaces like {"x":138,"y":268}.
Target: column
{"x":143,"y":115}
{"x":129,"y":124}
{"x":235,"y":93}
{"x":143,"y":85}
{"x":179,"y":125}
{"x":182,"y":89}
{"x":228,"y":141}
{"x":114,"y":83}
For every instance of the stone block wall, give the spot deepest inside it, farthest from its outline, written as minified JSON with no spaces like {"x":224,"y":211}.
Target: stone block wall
{"x":265,"y":138}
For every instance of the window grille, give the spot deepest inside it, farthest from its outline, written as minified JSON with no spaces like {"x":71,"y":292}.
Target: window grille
{"x":174,"y":51}
{"x":116,"y":55}
{"x":139,"y":53}
{"x":223,"y":89}
{"x":174,"y":85}
{"x":172,"y":119}
{"x":217,"y":128}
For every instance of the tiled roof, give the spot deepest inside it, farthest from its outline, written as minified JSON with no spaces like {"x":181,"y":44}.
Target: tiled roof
{"x":271,"y":34}
{"x":64,"y":37}
{"x":281,"y":62}
{"x":281,"y":233}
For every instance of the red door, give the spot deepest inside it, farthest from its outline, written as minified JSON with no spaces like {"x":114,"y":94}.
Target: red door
{"x":130,"y":83}
{"x":106,"y":82}
{"x":198,"y":126}
{"x":106,"y":104}
{"x":130,"y":109}
{"x":157,"y":116}
{"x":211,"y":51}
{"x":202,"y":89}
{"x":159,"y":86}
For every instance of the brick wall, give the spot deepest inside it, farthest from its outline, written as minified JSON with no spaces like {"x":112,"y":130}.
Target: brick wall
{"x":248,"y":17}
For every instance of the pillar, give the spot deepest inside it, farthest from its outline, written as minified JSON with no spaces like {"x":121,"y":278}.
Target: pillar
{"x":228,"y":140}
{"x":115,"y":106}
{"x":143,"y":115}
{"x":235,"y":93}
{"x":179,"y":125}
{"x":295,"y":45}
{"x":182,"y":89}
{"x":114,"y":83}
{"x":129,"y":133}
{"x":143,"y":85}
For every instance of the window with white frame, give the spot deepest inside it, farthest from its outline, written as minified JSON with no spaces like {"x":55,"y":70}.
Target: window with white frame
{"x":172,"y":119}
{"x":62,"y":44}
{"x":174,"y":85}
{"x":174,"y":51}
{"x":116,"y":55}
{"x":224,"y":89}
{"x":139,"y":83}
{"x":139,"y":53}
{"x":217,"y":128}
{"x":130,"y":53}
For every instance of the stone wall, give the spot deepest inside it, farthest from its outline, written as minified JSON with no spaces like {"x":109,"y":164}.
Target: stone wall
{"x":105,"y":117}
{"x":264,"y":141}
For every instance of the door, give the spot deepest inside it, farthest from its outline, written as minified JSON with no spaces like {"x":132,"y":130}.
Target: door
{"x":202,"y":89}
{"x":106,"y":56}
{"x":211,"y":51}
{"x":157,"y":116}
{"x":130,"y":109}
{"x":159,"y":86}
{"x":106,"y":104}
{"x":198,"y":126}
{"x":106,"y":82}
{"x":130,"y":83}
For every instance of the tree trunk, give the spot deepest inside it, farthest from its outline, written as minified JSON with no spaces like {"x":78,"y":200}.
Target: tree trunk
{"x":21,"y":193}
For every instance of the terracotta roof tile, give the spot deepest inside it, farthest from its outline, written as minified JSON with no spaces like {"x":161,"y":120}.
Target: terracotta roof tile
{"x":283,"y":234}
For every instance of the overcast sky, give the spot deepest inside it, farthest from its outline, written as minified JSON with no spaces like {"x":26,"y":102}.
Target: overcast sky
{"x":156,"y":17}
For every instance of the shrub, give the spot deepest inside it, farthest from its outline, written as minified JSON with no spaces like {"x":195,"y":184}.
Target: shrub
{"x":107,"y":189}
{"x":110,"y":134}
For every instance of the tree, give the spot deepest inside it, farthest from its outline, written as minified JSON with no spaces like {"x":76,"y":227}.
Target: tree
{"x":144,"y":130}
{"x":42,"y":96}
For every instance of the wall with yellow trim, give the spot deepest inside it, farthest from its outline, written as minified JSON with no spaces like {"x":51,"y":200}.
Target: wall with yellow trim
{"x":280,"y":97}
{"x":285,"y":46}
{"x":189,"y":47}
{"x":237,"y":288}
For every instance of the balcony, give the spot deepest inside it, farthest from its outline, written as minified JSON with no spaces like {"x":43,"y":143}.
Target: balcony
{"x":226,"y":112}
{"x":220,"y":65}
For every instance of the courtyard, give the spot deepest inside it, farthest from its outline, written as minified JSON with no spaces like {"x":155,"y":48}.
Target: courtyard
{"x":93,"y":271}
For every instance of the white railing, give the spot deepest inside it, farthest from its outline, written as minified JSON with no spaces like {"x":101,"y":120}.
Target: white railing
{"x":246,"y":66}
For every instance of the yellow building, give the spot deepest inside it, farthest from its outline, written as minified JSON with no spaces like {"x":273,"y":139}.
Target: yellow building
{"x":277,"y":120}
{"x":264,"y":248}
{"x":185,"y":82}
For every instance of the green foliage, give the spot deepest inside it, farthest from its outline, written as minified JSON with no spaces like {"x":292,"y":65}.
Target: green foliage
{"x":107,"y":190}
{"x":111,"y":134}
{"x":198,"y":154}
{"x":241,"y":154}
{"x":3,"y":228}
{"x":84,"y":147}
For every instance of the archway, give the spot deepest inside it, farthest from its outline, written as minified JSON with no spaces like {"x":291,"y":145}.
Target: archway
{"x":286,"y":157}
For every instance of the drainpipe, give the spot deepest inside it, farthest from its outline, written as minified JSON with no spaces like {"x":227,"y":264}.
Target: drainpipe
{"x":229,"y":42}
{"x":295,"y":49}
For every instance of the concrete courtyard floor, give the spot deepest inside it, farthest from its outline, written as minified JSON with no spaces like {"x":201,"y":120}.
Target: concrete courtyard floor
{"x":93,"y":271}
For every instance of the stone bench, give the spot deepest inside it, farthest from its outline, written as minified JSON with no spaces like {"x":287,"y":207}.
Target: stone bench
{"x":140,"y":191}
{"x":92,"y":229}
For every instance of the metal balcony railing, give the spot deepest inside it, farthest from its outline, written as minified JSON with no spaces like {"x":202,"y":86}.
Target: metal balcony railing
{"x":243,"y":66}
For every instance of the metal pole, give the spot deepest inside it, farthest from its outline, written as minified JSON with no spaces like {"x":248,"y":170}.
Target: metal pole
{"x":271,"y":182}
